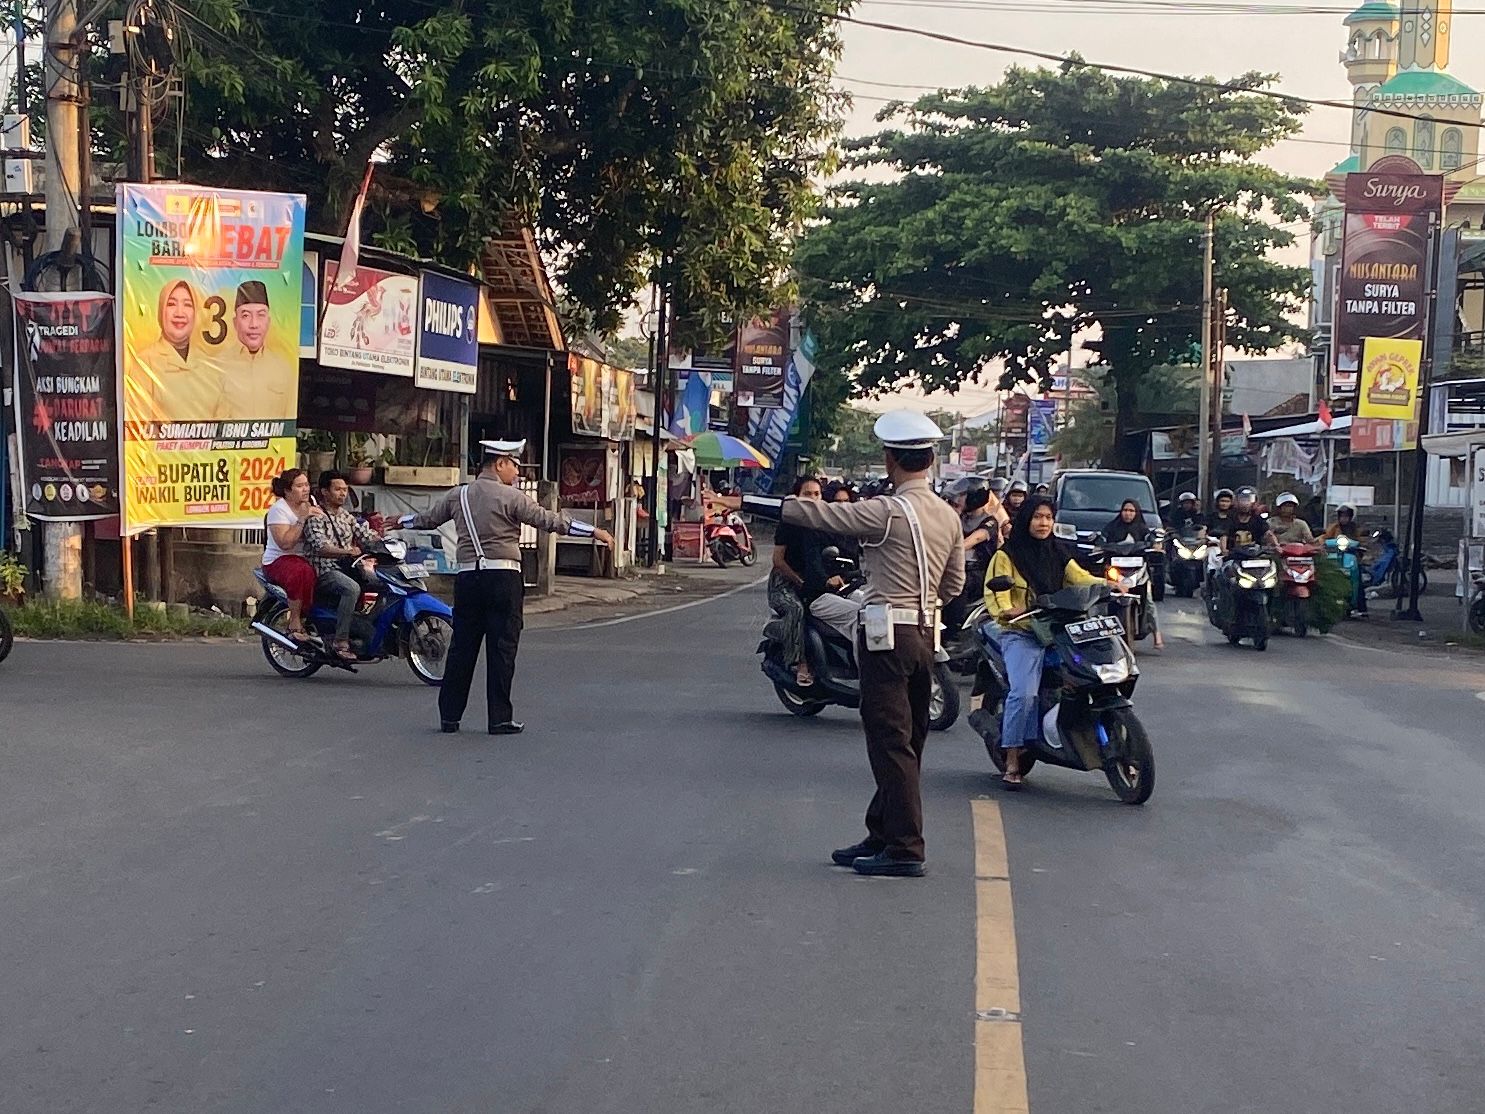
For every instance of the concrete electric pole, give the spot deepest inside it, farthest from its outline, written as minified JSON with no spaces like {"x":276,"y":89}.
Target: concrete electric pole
{"x":64,"y":185}
{"x":1204,"y":418}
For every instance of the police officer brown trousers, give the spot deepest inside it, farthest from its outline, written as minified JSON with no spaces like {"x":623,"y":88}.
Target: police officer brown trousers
{"x":896,"y":688}
{"x":487,"y":608}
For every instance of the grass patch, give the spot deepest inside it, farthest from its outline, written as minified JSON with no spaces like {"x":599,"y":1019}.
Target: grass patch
{"x":90,"y":620}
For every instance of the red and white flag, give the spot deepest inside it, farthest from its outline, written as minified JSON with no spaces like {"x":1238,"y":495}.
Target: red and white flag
{"x":1325,"y":415}
{"x":350,"y":252}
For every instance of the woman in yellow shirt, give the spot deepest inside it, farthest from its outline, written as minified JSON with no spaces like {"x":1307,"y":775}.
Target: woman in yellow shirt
{"x":1037,"y":564}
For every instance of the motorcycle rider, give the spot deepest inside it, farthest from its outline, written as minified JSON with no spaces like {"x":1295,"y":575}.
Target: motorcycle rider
{"x":1129,"y":525}
{"x":1187,"y":515}
{"x":1221,"y":512}
{"x":972,"y":496}
{"x":1037,"y":564}
{"x":336,"y":545}
{"x":1290,"y":527}
{"x":1344,"y":524}
{"x":1015,"y":495}
{"x":1245,"y":526}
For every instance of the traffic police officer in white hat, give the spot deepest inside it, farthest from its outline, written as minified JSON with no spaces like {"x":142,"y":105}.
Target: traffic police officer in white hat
{"x":913,"y":557}
{"x":488,"y":592}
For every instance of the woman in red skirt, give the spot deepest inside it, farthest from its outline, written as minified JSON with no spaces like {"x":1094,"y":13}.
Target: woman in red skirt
{"x":282,"y":562}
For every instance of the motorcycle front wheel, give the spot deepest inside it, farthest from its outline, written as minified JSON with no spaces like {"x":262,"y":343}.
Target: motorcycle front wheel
{"x":1476,"y":616}
{"x":7,"y":636}
{"x":720,"y":554}
{"x":748,"y":557}
{"x":1131,"y":768}
{"x":943,"y":703}
{"x":796,"y":704}
{"x":428,"y":641}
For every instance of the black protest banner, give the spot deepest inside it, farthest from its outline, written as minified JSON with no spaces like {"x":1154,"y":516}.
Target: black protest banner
{"x":66,"y":404}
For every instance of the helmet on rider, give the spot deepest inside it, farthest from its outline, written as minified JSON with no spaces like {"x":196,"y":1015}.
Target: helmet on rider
{"x":1346,"y":509}
{"x":1246,"y":498}
{"x":1286,"y":499}
{"x":973,"y":490}
{"x":1223,"y":499}
{"x":1186,"y":497}
{"x":998,"y":486}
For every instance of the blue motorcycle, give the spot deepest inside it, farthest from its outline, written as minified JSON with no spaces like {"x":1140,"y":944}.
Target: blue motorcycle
{"x":1347,"y":552}
{"x":1390,"y":568}
{"x":395,"y":617}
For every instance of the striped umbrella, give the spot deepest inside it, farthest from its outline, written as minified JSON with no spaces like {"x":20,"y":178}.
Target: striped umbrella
{"x":722,"y":450}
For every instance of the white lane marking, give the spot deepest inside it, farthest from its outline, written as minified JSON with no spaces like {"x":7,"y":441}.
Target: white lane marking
{"x":655,"y":614}
{"x":1480,"y":696}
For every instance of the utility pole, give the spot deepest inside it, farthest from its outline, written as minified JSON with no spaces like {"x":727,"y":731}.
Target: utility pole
{"x":660,"y":380}
{"x":1204,"y":416}
{"x":64,"y":191}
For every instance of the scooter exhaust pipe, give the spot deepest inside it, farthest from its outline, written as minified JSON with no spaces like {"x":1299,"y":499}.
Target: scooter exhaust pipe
{"x":282,"y":639}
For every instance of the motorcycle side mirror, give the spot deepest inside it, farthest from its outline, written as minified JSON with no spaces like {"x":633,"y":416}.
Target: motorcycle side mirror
{"x":1065,"y":530}
{"x":1000,"y":584}
{"x":830,"y":552}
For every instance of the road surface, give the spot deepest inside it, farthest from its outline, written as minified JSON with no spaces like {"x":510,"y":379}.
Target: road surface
{"x":221,"y":891}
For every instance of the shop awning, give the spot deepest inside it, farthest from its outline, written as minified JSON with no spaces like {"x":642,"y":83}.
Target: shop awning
{"x":1340,"y":429}
{"x":1454,"y":444}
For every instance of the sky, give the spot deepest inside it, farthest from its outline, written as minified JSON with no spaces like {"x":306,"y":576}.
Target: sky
{"x":1195,"y":38}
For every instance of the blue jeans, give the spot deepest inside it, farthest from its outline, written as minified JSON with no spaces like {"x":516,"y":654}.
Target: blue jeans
{"x":1023,"y":665}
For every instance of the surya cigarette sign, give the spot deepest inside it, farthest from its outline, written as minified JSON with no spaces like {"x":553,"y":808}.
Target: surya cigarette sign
{"x":1381,"y":292}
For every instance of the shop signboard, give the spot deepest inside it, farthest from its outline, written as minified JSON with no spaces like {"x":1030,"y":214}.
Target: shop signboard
{"x":66,"y":405}
{"x":1382,"y":435}
{"x":1381,"y":292}
{"x":369,"y":323}
{"x":762,"y":357}
{"x":581,"y":476}
{"x":969,"y":456}
{"x":1477,"y":495}
{"x":208,"y":326}
{"x":448,"y":334}
{"x":1389,"y":379}
{"x":309,"y":305}
{"x":1043,"y":416}
{"x":602,"y":399}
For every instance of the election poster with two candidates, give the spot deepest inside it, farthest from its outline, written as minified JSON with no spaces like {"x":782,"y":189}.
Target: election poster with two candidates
{"x":209,"y":315}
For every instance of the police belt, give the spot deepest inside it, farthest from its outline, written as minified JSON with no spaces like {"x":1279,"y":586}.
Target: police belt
{"x":490,"y":564}
{"x":908,"y":616}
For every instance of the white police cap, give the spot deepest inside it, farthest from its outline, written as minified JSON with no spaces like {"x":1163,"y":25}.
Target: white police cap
{"x":512,"y":449}
{"x":907,"y":429}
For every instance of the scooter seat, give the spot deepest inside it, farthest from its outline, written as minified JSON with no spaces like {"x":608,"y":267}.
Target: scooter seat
{"x":269,"y":586}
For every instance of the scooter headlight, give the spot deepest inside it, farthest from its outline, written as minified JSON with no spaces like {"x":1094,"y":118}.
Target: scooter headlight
{"x":1113,"y":673}
{"x":1246,"y":581}
{"x":1269,"y":581}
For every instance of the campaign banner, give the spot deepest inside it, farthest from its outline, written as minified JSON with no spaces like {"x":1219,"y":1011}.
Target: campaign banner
{"x":66,"y":405}
{"x":602,"y":399}
{"x":448,"y":334}
{"x":210,"y":283}
{"x":1383,"y":435}
{"x":1043,"y":418}
{"x":1389,"y":379}
{"x":309,"y":305}
{"x":762,"y":357}
{"x":768,"y":430}
{"x":370,"y":322}
{"x":582,"y":478}
{"x":1381,"y":287}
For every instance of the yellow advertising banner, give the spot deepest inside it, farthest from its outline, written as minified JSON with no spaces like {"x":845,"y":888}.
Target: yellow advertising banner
{"x":1389,"y":379}
{"x":209,"y":322}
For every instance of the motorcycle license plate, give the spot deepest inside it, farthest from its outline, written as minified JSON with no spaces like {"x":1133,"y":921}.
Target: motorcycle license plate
{"x":413,"y":572}
{"x":1257,"y":564}
{"x":1129,"y":562}
{"x":1105,"y":626}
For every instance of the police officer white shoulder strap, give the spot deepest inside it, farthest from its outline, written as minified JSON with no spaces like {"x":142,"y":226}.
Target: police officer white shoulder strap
{"x":474,"y":534}
{"x":920,"y":551}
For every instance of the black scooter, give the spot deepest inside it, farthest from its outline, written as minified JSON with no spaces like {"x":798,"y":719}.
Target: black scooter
{"x":1186,"y":560}
{"x":1240,"y":606}
{"x":1088,"y":677}
{"x":832,"y":659}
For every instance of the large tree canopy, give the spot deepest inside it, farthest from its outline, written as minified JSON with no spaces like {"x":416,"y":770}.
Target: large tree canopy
{"x":995,"y":225}
{"x":622,"y":129}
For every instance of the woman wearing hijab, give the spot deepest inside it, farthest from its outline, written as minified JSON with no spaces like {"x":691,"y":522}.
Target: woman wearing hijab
{"x":174,"y":385}
{"x":1129,"y":525}
{"x":1037,"y":564}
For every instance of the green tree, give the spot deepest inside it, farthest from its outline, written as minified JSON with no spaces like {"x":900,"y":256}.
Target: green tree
{"x":1087,"y":432}
{"x":623,"y":130}
{"x":851,"y":448}
{"x":997,"y":224}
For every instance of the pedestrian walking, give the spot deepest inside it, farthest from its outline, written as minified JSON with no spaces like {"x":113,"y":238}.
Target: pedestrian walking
{"x":489,"y":592}
{"x":913,"y":556}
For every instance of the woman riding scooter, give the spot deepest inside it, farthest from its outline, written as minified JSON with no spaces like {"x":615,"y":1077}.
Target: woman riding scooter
{"x":1037,"y":564}
{"x":1129,"y":525}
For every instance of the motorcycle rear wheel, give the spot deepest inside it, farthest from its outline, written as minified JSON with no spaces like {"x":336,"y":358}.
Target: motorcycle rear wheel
{"x":7,"y":636}
{"x":1131,"y":772}
{"x":943,"y":704}
{"x":284,"y":663}
{"x":428,"y":641}
{"x":798,"y":705}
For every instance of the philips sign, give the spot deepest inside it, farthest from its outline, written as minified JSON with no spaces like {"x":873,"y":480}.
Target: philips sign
{"x":448,"y":334}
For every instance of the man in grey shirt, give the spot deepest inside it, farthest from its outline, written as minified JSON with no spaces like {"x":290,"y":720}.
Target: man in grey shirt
{"x":488,"y":592}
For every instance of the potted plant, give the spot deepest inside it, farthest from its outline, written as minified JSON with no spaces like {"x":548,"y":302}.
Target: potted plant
{"x":367,"y":451}
{"x":12,"y":579}
{"x":316,"y":451}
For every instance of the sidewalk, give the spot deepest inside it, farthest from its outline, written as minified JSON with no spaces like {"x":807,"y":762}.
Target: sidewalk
{"x":1442,"y":630}
{"x":642,"y":588}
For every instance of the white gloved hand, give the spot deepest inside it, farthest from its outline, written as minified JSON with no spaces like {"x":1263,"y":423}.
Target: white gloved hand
{"x":406,"y":520}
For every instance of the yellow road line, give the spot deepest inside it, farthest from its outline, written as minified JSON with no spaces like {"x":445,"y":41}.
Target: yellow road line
{"x":1000,"y":1062}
